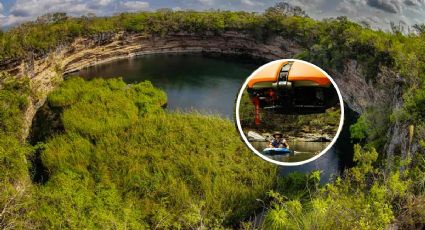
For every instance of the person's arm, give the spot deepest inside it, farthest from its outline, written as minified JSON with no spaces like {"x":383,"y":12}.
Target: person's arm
{"x":286,"y":143}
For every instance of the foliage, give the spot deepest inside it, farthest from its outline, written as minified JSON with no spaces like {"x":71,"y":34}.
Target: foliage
{"x":14,"y":99}
{"x":107,"y":100}
{"x":123,"y":162}
{"x":413,"y":109}
{"x":286,"y":9}
{"x":246,"y":110}
{"x":328,"y":43}
{"x":359,"y":130}
{"x":371,"y":126}
{"x":326,"y":122}
{"x":362,"y":199}
{"x":14,"y":178}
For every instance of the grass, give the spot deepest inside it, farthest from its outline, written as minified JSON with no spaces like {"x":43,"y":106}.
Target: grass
{"x":124,"y":161}
{"x":139,"y":167}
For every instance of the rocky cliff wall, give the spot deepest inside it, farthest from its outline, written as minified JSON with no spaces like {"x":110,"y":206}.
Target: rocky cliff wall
{"x":47,"y":72}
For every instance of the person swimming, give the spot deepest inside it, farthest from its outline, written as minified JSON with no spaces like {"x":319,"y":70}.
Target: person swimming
{"x":278,"y":141}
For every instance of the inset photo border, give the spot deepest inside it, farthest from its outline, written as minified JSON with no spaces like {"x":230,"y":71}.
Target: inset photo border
{"x":278,"y":86}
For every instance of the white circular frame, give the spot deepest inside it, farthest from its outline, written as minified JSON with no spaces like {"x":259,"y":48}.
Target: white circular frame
{"x":238,"y":123}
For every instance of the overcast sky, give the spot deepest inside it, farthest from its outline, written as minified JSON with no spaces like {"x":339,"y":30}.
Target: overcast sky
{"x":377,"y":13}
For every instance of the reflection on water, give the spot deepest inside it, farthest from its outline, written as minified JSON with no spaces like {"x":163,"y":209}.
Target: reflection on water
{"x":302,"y":150}
{"x":191,"y":81}
{"x":194,"y":81}
{"x":336,"y":159}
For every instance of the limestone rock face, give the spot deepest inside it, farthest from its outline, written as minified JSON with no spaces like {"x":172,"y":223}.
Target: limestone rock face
{"x":85,"y":52}
{"x":360,"y":93}
{"x":253,"y":136}
{"x":46,"y":72}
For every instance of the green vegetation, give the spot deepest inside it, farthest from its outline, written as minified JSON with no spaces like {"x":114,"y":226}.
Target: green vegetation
{"x":352,"y":202}
{"x":14,"y":178}
{"x":293,"y":125}
{"x":366,"y":197}
{"x":372,"y":195}
{"x":122,"y":162}
{"x":328,"y":43}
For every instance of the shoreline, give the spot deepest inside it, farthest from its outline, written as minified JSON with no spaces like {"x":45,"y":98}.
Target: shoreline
{"x":255,"y":136}
{"x":47,"y":73}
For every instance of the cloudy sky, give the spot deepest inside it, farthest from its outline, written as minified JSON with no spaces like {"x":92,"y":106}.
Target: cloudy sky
{"x":377,"y":13}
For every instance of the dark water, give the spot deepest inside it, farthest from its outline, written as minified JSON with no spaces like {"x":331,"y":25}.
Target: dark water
{"x":336,"y":159}
{"x":191,"y":81}
{"x":210,"y":85}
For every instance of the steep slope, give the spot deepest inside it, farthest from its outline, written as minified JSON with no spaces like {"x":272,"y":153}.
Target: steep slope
{"x":379,"y":74}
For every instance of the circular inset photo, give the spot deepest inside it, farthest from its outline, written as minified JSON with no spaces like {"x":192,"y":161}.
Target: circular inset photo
{"x":289,"y":112}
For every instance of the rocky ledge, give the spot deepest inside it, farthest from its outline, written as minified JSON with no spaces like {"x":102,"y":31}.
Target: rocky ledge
{"x":302,"y":137}
{"x":46,"y":72}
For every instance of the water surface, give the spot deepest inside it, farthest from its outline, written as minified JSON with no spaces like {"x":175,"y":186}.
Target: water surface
{"x":192,"y":81}
{"x":210,"y":85}
{"x":303,"y":150}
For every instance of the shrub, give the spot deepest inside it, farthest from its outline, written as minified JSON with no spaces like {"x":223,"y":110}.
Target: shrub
{"x":124,"y":162}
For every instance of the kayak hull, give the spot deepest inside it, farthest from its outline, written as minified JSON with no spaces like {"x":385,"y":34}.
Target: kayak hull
{"x":276,"y":150}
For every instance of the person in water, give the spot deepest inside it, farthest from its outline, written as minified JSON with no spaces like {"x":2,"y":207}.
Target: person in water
{"x":278,"y":141}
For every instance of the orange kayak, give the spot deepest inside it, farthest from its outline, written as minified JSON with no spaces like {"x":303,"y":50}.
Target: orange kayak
{"x":297,"y":73}
{"x":291,"y":87}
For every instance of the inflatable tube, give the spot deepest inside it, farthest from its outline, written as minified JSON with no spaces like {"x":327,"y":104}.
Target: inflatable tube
{"x":276,"y":150}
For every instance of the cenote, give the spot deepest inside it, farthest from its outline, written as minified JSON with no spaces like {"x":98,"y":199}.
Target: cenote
{"x":193,"y":82}
{"x":209,"y":84}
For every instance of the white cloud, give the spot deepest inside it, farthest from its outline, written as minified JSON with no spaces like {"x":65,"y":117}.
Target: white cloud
{"x":350,"y":7}
{"x":135,"y":5}
{"x":25,"y":10}
{"x":104,"y":2}
{"x":312,"y":7}
{"x":11,"y":20}
{"x":251,"y":3}
{"x":34,"y":8}
{"x":206,"y":2}
{"x":311,"y":2}
{"x":356,"y":10}
{"x":345,"y":8}
{"x":371,"y":20}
